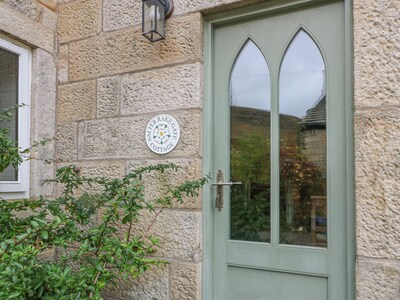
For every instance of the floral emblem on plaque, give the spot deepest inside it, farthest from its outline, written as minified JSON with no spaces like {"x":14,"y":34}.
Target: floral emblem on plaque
{"x":162,"y":134}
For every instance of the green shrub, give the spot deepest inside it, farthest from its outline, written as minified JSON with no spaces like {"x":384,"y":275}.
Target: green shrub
{"x":97,"y":252}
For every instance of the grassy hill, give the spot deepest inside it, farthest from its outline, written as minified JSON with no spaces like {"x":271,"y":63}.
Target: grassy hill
{"x":246,"y":119}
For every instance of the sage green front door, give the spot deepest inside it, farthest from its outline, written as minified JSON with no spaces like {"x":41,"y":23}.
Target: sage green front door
{"x":279,"y":156}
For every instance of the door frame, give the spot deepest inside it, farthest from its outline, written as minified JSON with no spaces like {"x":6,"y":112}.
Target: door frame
{"x":254,"y":11}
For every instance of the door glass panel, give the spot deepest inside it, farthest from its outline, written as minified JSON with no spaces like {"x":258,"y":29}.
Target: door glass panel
{"x":9,"y":99}
{"x":250,"y":146}
{"x":302,"y":115}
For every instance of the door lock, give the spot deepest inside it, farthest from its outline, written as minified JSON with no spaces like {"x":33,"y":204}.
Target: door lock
{"x":219,"y":201}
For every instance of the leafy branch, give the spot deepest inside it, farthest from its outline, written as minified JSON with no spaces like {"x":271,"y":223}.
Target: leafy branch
{"x":59,"y":248}
{"x":97,"y":252}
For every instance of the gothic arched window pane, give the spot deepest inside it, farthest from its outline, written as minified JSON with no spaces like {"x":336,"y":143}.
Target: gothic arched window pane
{"x":302,"y":119}
{"x":250,"y":101}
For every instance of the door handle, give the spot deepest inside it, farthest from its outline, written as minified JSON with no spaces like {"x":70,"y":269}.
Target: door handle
{"x":219,"y":201}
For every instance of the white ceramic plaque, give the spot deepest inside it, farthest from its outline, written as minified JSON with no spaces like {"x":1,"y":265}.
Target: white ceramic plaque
{"x":162,"y":134}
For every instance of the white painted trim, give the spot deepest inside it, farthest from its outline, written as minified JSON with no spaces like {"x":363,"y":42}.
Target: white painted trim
{"x":20,"y":188}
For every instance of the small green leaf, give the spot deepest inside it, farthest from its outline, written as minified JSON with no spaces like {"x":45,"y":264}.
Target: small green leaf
{"x":14,"y":295}
{"x":3,"y":245}
{"x":34,"y":224}
{"x":127,"y":219}
{"x":22,"y":237}
{"x":44,"y":234}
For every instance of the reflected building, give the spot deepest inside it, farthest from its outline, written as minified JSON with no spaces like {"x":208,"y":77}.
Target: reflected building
{"x":313,"y":145}
{"x":313,"y":133}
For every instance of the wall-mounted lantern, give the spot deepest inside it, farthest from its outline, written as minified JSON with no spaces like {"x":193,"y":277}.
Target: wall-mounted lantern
{"x":154,"y":14}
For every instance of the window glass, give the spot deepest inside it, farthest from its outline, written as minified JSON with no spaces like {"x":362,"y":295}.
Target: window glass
{"x":15,"y":86}
{"x":302,"y":115}
{"x":250,"y":102}
{"x":9,"y":99}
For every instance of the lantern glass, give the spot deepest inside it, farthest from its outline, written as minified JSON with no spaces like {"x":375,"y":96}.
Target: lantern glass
{"x":153,"y":22}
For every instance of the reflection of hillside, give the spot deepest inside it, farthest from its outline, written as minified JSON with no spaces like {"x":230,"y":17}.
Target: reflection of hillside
{"x":250,"y":120}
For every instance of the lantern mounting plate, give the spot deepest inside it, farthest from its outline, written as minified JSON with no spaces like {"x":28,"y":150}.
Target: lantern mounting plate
{"x":169,"y":8}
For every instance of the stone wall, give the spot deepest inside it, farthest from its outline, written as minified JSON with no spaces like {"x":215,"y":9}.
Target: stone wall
{"x":377,"y":149}
{"x":111,"y":82}
{"x":33,"y":23}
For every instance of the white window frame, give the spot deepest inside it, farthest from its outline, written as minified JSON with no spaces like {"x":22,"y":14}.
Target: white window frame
{"x":20,"y":188}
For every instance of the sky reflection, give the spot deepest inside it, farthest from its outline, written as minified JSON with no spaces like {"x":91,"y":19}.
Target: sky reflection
{"x":301,"y":81}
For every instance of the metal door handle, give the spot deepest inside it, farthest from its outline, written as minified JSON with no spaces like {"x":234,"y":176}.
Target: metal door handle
{"x":219,"y":201}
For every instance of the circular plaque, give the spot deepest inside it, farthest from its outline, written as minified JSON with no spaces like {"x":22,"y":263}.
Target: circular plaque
{"x":162,"y":134}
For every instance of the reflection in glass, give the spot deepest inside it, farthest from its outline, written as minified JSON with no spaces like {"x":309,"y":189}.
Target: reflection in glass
{"x":302,"y":114}
{"x":8,"y":99}
{"x":250,"y":144}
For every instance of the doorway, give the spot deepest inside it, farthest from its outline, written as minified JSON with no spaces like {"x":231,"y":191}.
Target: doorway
{"x":279,"y":204}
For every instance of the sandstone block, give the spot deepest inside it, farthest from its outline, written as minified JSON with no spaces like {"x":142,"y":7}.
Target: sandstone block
{"x":47,"y":255}
{"x":157,"y":184}
{"x":107,"y":169}
{"x":67,"y":141}
{"x":179,"y":232}
{"x":77,"y":101}
{"x":79,"y":19}
{"x":163,"y":89}
{"x":32,"y":32}
{"x":127,"y":50}
{"x":42,"y":168}
{"x":185,"y":281}
{"x":377,"y":279}
{"x":28,"y":8}
{"x":50,"y":4}
{"x":43,"y":108}
{"x":98,"y":169}
{"x":211,"y":6}
{"x":43,"y":124}
{"x":124,"y":13}
{"x":108,"y":96}
{"x":93,"y":169}
{"x":377,"y":167}
{"x":125,"y":137}
{"x":63,"y":64}
{"x":153,"y":284}
{"x":120,"y":14}
{"x":111,"y":138}
{"x":376,"y":134}
{"x":49,"y":18}
{"x":377,"y":53}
